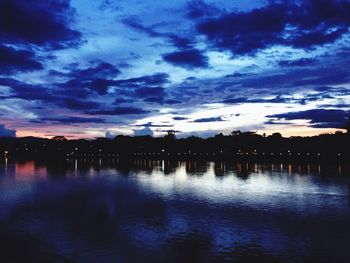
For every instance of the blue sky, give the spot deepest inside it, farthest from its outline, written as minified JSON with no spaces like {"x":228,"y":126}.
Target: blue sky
{"x":100,"y":68}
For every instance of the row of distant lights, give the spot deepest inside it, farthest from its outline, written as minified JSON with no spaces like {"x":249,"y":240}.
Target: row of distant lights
{"x":238,"y":153}
{"x":189,"y":153}
{"x":93,"y":154}
{"x":289,"y":153}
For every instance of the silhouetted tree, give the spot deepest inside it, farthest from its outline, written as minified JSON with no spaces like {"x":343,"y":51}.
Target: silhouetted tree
{"x":236,"y":133}
{"x":276,"y":135}
{"x":219,"y":135}
{"x":59,"y":138}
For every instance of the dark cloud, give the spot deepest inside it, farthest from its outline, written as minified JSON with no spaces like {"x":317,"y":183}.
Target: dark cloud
{"x":4,"y":132}
{"x":97,"y":78}
{"x":121,"y":100}
{"x":324,"y":88}
{"x":244,"y":33}
{"x":301,"y":25}
{"x":25,"y":91}
{"x":277,"y":86}
{"x":151,"y":94}
{"x":191,"y":58}
{"x":316,"y":38}
{"x":155,"y":79}
{"x":76,"y":104}
{"x":151,"y":124}
{"x":277,"y":99}
{"x":335,"y":106}
{"x":102,"y":70}
{"x":298,"y":62}
{"x":213,"y":119}
{"x":29,"y":92}
{"x":198,"y":8}
{"x":172,"y":101}
{"x":298,"y":77}
{"x":271,"y":122}
{"x":79,"y":92}
{"x":325,"y":76}
{"x":235,"y":75}
{"x":77,"y":88}
{"x":12,"y":60}
{"x":147,"y":88}
{"x":318,"y":118}
{"x":174,"y":39}
{"x":72,"y":120}
{"x":43,"y":23}
{"x":100,"y":85}
{"x":159,"y":100}
{"x":242,"y":100}
{"x":118,"y":111}
{"x":150,"y":91}
{"x":284,"y":98}
{"x":180,"y":118}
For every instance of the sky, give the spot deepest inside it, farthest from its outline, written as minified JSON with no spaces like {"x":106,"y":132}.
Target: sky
{"x":86,"y":69}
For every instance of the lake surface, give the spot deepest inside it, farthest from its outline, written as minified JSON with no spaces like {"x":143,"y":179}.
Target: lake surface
{"x":161,"y":211}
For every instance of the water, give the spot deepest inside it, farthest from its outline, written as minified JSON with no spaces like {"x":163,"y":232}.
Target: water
{"x":160,"y":211}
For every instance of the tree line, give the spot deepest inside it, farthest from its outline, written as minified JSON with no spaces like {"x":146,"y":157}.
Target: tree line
{"x":237,"y":145}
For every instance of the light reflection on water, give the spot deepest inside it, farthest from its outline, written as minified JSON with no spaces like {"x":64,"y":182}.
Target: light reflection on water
{"x":108,"y":211}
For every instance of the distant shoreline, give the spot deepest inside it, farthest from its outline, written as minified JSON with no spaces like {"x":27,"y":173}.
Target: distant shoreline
{"x":240,"y":146}
{"x":224,"y":158}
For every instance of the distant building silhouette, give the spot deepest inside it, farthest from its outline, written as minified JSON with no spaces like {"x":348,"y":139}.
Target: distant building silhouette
{"x":171,"y":134}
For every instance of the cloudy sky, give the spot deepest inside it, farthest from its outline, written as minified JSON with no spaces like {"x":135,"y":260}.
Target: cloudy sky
{"x":84,"y":69}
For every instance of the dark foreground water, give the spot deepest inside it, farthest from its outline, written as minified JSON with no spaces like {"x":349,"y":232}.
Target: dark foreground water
{"x":159,"y":211}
